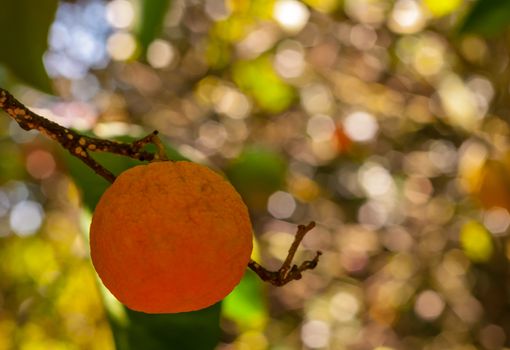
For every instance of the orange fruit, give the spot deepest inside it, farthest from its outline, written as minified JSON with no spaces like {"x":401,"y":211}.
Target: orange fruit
{"x":170,"y":237}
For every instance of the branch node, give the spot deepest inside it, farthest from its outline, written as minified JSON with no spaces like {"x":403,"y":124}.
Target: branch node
{"x":286,"y":272}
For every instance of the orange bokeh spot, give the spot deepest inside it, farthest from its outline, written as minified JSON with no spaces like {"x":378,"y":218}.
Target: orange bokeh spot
{"x":341,"y":140}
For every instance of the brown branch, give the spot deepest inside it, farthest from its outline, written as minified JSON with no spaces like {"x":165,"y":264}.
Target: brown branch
{"x":286,"y":272}
{"x":79,"y":145}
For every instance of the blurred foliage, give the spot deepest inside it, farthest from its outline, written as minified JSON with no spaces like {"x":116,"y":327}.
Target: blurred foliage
{"x":258,"y":79}
{"x":22,"y":48}
{"x":257,"y":173}
{"x":487,"y":17}
{"x":441,"y":8}
{"x":187,"y":331}
{"x":246,"y":304}
{"x":151,"y":16}
{"x":386,"y":122}
{"x":476,"y":241}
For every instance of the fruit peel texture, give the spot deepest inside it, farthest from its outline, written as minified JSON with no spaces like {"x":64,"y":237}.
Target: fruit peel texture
{"x":170,"y":237}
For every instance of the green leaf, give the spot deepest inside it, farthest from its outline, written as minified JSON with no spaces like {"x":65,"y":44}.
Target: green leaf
{"x":256,"y":174}
{"x":258,"y":78}
{"x":24,"y":25}
{"x":245,"y":305}
{"x":149,"y":22}
{"x":11,"y":166}
{"x":183,"y":331}
{"x":487,"y":17}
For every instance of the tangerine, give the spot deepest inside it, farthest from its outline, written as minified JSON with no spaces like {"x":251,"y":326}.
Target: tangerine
{"x":170,"y":237}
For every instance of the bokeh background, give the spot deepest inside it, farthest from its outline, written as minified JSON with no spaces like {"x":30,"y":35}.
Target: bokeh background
{"x":386,"y":122}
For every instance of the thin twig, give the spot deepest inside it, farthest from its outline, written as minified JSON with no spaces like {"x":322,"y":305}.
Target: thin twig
{"x":79,"y":145}
{"x":286,"y":272}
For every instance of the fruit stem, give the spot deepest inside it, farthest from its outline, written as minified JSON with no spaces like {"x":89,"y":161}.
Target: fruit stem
{"x":286,"y":272}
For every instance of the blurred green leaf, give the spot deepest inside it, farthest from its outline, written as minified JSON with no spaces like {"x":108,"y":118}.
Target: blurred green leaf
{"x":232,"y":29}
{"x":184,"y":331}
{"x":256,"y":174}
{"x":487,"y":17}
{"x":25,"y":25}
{"x":245,"y":305}
{"x":149,"y":23}
{"x":218,"y":53}
{"x":11,"y":166}
{"x":258,"y":78}
{"x":476,"y":242}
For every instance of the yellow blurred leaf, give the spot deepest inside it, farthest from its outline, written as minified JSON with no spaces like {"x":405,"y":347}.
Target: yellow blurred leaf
{"x":326,"y":6}
{"x":258,"y":79}
{"x":441,"y":8}
{"x":303,"y":188}
{"x":7,"y":329}
{"x":232,"y":29}
{"x":80,"y":283}
{"x":476,"y":242}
